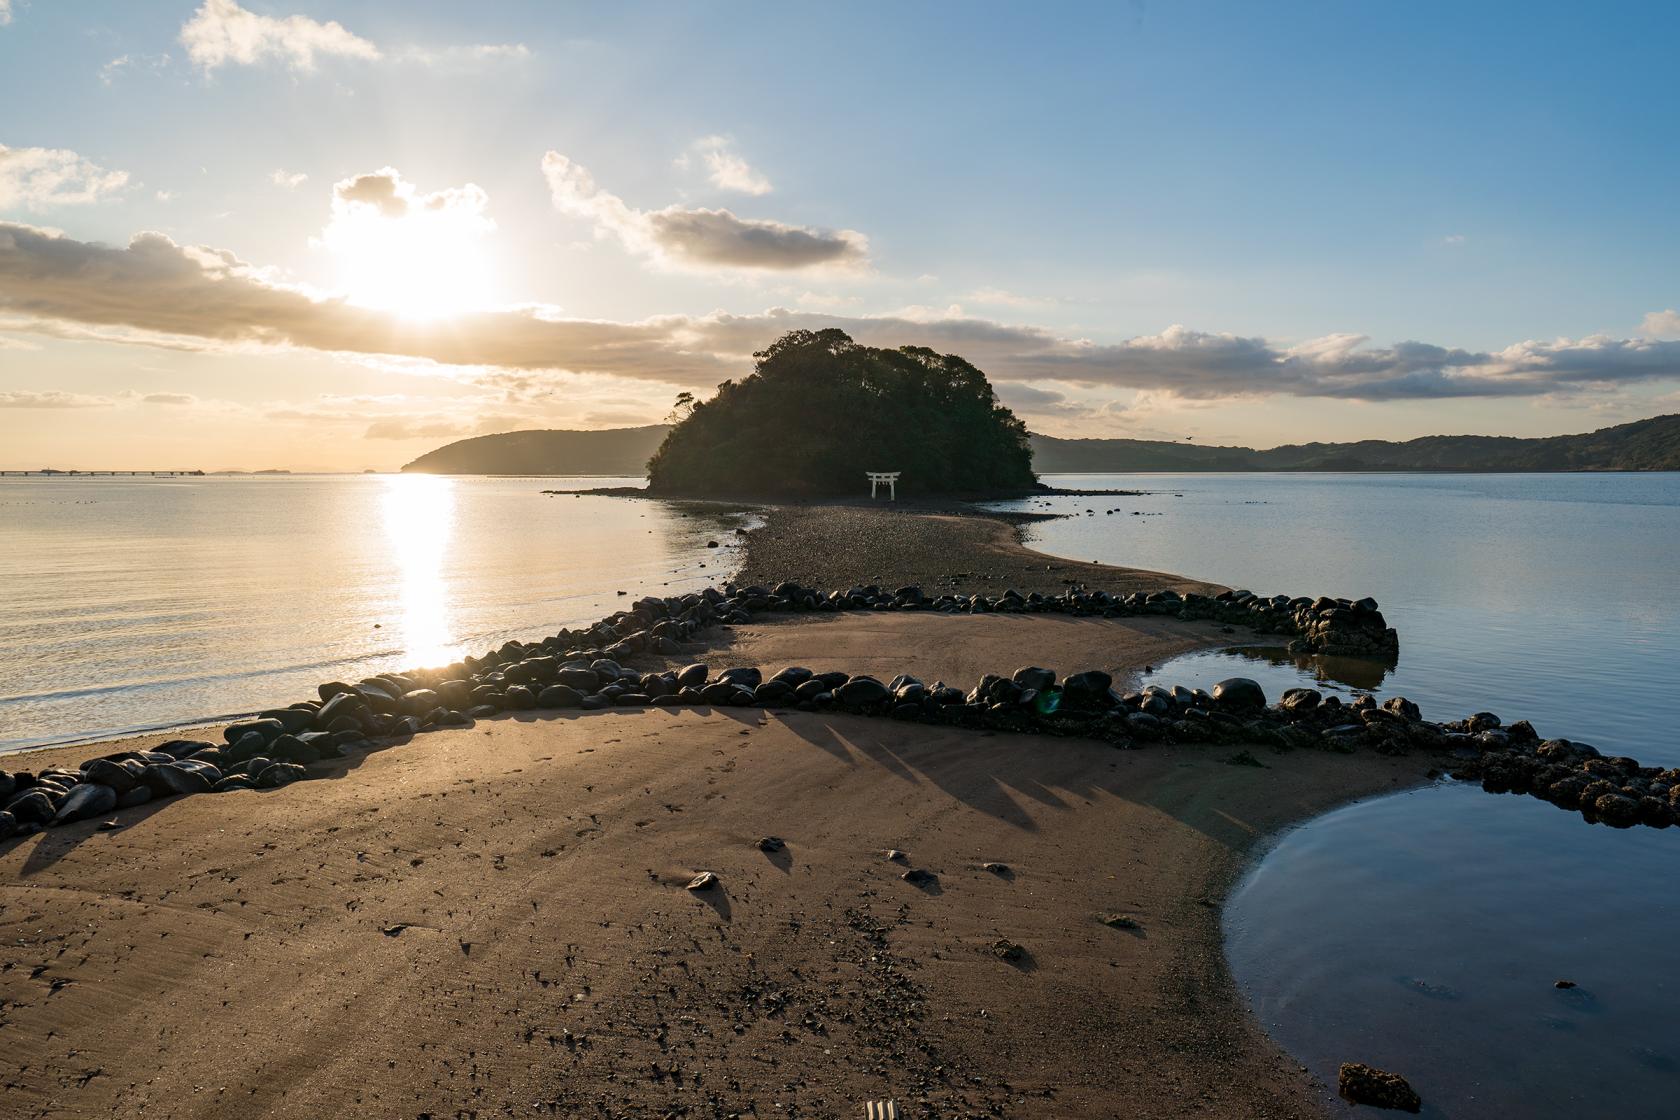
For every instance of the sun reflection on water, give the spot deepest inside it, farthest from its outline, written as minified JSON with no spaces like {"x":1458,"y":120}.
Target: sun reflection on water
{"x":419,"y":513}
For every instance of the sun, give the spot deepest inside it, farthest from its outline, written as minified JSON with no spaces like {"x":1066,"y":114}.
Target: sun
{"x":419,"y":256}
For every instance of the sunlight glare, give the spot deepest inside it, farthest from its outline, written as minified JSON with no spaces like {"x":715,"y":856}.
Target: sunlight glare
{"x":419,"y":514}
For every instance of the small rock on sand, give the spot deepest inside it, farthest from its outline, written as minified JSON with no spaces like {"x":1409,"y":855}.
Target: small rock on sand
{"x":1120,"y":921}
{"x":1363,"y":1084}
{"x":771,"y":844}
{"x":1005,"y":950}
{"x":995,"y":868}
{"x":704,"y":881}
{"x":896,"y":856}
{"x":919,"y":877}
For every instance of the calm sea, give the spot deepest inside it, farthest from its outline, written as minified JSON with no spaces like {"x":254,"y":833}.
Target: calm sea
{"x":1424,"y":932}
{"x":139,"y":603}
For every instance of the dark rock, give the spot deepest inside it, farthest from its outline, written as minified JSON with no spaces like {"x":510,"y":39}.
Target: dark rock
{"x":1005,"y":950}
{"x":32,"y":806}
{"x":8,"y":825}
{"x":292,"y":719}
{"x":771,"y":844}
{"x":559,"y":696}
{"x":166,"y":779}
{"x":114,"y":774}
{"x":1088,"y":689}
{"x":1239,"y":693}
{"x":1300,"y":699}
{"x":90,"y":799}
{"x":419,"y":701}
{"x":704,"y":881}
{"x":139,"y":795}
{"x":234,"y":782}
{"x":691,"y":676}
{"x":519,"y":698}
{"x":281,"y":774}
{"x":862,"y":691}
{"x":233,"y":732}
{"x":1034,"y":677}
{"x":583,"y":680}
{"x":743,"y":676}
{"x":1363,"y":1084}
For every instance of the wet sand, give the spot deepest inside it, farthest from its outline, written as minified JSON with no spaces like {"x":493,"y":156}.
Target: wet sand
{"x":944,"y":548}
{"x":493,"y":921}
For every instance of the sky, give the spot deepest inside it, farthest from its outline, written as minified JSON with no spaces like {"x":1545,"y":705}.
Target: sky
{"x":250,"y":234}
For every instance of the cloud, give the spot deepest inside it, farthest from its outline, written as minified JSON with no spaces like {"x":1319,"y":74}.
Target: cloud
{"x":411,"y":427}
{"x":386,"y":193}
{"x":1453,"y":239}
{"x":698,"y":238}
{"x":52,"y":398}
{"x":996,"y":297}
{"x":468,"y":56}
{"x":118,"y":66}
{"x":5,"y":12}
{"x":727,"y":170}
{"x":1661,"y":324}
{"x":291,"y":180}
{"x":222,"y":32}
{"x":38,"y":178}
{"x":156,"y":292}
{"x":180,"y":399}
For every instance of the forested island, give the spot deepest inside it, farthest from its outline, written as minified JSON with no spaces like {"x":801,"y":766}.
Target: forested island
{"x":1643,"y":445}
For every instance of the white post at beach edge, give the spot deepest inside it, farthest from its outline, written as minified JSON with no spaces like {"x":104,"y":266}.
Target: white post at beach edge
{"x":888,"y":477}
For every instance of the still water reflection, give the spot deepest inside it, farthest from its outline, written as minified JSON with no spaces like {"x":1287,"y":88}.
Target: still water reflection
{"x":419,"y":516}
{"x":1423,"y":932}
{"x":139,"y":603}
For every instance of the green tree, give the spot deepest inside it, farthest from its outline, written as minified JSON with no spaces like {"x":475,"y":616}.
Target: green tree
{"x":819,"y":410}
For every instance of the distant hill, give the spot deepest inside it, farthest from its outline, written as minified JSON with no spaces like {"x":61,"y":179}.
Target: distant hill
{"x":1644,"y":445}
{"x":615,"y":451}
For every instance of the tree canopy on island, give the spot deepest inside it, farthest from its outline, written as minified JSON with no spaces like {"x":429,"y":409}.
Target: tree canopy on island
{"x":820,"y":410}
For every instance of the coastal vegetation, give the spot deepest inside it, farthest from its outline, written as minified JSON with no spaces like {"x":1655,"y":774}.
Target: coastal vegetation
{"x":819,"y":410}
{"x":1643,"y":445}
{"x":611,"y":451}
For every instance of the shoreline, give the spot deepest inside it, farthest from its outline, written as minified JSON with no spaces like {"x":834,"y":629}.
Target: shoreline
{"x":1157,"y":836}
{"x":1222,"y":817}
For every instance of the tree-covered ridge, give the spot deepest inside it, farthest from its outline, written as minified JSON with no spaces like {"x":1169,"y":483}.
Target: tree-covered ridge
{"x":820,"y":410}
{"x":614,"y":451}
{"x":1643,"y":445}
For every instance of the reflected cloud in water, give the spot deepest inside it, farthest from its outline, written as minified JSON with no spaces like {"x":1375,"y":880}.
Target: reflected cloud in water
{"x":419,"y":519}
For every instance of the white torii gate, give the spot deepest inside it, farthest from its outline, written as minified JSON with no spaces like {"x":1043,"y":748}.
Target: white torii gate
{"x":888,"y":477}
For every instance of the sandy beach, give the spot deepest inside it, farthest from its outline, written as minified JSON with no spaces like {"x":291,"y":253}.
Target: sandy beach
{"x":494,"y":920}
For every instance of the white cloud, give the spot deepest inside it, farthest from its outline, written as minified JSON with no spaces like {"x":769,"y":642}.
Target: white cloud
{"x":698,"y":238}
{"x":222,"y":32}
{"x":1661,"y":324}
{"x":156,"y":292}
{"x":1453,"y":239}
{"x":5,"y":12}
{"x":291,"y":180}
{"x":165,"y":196}
{"x":52,"y":398}
{"x":120,"y":65}
{"x":1000,"y":297}
{"x":173,"y":399}
{"x":37,"y":178}
{"x":464,"y":56}
{"x":726,"y":169}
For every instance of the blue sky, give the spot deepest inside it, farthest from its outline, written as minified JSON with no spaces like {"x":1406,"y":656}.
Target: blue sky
{"x":1208,"y":220}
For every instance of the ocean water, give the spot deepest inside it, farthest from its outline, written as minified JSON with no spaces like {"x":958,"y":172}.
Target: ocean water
{"x":139,"y":603}
{"x":1423,"y":932}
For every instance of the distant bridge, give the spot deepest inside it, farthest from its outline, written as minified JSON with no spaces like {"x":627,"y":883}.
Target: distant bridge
{"x":47,"y":472}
